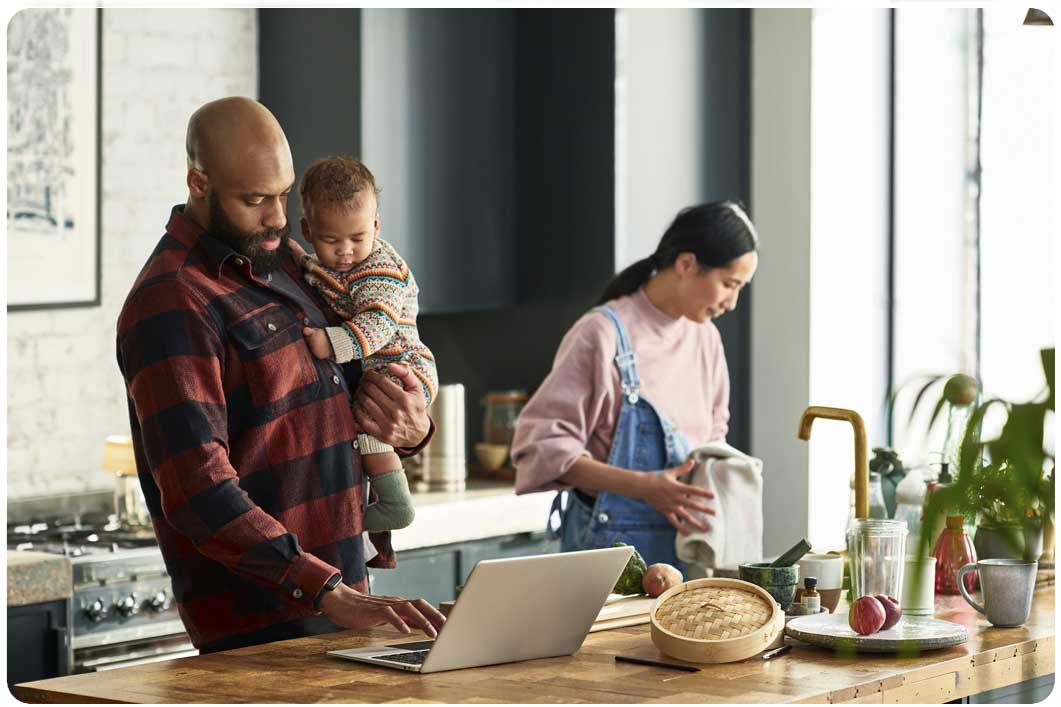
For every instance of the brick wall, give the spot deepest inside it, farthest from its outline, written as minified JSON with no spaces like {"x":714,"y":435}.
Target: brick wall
{"x":65,"y":394}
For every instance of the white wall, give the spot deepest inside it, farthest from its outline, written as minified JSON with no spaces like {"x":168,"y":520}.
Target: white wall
{"x":850,"y":75}
{"x":780,"y":203}
{"x":819,"y":310}
{"x":658,"y":136}
{"x":65,"y":393}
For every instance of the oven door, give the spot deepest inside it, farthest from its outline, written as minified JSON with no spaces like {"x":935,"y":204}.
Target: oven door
{"x":133,"y":652}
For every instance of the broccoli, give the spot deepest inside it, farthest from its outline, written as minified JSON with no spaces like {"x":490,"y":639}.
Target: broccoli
{"x":630,"y":580}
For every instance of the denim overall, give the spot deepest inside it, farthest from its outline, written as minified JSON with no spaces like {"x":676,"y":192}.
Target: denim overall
{"x":644,"y":441}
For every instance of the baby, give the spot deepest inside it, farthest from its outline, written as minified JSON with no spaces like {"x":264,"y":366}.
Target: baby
{"x":368,"y":284}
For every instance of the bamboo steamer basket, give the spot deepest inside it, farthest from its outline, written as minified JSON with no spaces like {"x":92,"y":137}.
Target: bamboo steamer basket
{"x":715,"y":620}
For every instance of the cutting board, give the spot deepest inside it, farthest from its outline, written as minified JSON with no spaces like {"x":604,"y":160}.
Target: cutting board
{"x":619,"y":611}
{"x":911,"y":634}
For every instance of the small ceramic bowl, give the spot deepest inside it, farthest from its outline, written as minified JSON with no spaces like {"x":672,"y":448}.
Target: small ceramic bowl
{"x":780,"y":582}
{"x":491,"y":456}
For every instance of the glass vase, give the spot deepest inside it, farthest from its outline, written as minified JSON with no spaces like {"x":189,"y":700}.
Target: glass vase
{"x":954,"y":549}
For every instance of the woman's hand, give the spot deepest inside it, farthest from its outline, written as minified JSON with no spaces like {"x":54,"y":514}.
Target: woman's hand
{"x":393,"y":414}
{"x":350,"y":608}
{"x":680,"y":503}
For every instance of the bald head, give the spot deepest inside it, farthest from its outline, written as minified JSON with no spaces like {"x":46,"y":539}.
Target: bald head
{"x":239,"y":167}
{"x":222,"y":133}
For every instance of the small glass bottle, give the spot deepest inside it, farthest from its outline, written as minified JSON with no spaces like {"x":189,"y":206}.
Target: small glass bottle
{"x":877,"y":507}
{"x":954,"y":550}
{"x":812,"y":601}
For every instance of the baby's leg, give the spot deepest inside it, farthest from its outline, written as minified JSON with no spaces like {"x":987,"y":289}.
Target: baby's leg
{"x":379,"y":464}
{"x":393,"y":507}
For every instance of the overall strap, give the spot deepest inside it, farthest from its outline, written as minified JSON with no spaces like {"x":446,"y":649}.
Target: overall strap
{"x":625,"y":358}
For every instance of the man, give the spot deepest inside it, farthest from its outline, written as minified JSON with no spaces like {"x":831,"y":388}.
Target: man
{"x":245,"y":442}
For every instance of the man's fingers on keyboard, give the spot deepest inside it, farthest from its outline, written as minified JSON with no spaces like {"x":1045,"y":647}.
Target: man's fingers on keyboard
{"x":395,"y":620}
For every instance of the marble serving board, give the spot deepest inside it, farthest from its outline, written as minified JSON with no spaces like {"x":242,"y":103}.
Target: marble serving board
{"x":912,"y":633}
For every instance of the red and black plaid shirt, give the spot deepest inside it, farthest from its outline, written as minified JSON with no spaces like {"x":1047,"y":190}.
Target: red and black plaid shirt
{"x":243,"y":439}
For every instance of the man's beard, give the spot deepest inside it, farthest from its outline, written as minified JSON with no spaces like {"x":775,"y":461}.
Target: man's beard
{"x":249,"y":244}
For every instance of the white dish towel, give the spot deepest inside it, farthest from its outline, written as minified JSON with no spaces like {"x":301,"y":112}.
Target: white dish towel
{"x":736,"y":532}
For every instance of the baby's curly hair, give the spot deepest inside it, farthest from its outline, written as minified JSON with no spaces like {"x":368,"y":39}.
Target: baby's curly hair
{"x":335,"y":181}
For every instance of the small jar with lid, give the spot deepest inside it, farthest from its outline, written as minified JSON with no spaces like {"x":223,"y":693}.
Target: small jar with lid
{"x":499,"y":417}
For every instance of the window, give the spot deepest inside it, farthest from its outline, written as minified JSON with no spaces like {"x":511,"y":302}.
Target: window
{"x":975,"y":179}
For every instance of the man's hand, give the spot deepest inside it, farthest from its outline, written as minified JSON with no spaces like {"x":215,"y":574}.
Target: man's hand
{"x":393,"y":414}
{"x":318,"y":342}
{"x":678,"y":501}
{"x":350,"y":608}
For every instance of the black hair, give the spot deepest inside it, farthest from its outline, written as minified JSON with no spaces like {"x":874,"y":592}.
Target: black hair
{"x":716,"y":233}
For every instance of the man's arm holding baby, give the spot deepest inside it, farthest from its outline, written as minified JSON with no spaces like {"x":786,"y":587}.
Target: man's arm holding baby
{"x":392,"y":413}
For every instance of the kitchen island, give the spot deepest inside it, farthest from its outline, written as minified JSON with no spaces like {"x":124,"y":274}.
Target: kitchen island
{"x":299,"y":671}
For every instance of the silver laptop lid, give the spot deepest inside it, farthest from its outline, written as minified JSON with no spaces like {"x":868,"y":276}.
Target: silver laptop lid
{"x":523,"y":608}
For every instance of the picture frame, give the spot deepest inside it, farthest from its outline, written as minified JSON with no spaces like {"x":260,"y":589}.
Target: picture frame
{"x":53,"y":159}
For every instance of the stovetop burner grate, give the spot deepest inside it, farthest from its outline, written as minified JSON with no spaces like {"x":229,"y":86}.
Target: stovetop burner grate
{"x":92,"y":534}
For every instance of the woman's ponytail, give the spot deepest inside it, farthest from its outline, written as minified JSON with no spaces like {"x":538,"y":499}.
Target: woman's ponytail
{"x":716,"y":233}
{"x":629,"y":280}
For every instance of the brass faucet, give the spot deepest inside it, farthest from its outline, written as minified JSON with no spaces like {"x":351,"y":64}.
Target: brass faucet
{"x":861,"y":463}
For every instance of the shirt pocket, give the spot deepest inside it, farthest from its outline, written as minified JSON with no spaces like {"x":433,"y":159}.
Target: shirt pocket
{"x":276,"y":362}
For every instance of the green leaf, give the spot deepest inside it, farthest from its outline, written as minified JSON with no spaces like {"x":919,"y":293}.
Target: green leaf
{"x":1047,"y":356}
{"x":932,"y":380}
{"x":935,"y":413}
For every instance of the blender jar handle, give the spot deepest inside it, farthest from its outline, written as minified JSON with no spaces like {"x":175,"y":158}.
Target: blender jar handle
{"x":961,"y":586}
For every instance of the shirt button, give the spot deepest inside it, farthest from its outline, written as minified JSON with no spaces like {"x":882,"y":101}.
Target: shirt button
{"x":602,"y":517}
{"x":270,"y":326}
{"x":297,"y":593}
{"x":305,"y":320}
{"x":335,"y":379}
{"x":355,"y":444}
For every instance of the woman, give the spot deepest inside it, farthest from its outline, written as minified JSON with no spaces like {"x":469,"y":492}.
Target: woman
{"x":591,"y":427}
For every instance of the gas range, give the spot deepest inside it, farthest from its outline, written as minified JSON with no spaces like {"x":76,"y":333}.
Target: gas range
{"x":122,"y":611}
{"x":94,"y":534}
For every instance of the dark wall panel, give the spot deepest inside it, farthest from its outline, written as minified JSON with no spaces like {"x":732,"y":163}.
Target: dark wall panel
{"x":564,"y":74}
{"x":726,"y":56}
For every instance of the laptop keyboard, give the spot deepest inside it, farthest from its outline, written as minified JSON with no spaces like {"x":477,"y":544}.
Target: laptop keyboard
{"x":409,"y":658}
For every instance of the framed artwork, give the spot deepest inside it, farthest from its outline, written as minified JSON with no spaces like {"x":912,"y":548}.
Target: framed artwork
{"x":53,"y":159}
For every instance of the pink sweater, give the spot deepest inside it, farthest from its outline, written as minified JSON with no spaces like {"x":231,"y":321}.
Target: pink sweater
{"x":683,"y":373}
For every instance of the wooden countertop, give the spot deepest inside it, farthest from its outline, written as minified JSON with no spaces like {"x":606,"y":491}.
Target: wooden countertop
{"x":299,"y":671}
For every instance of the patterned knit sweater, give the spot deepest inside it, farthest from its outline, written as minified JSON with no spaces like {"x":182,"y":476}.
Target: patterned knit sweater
{"x":378,"y":303}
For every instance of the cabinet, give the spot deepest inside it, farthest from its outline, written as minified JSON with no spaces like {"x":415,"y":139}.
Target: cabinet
{"x":425,"y":98}
{"x":433,"y":573}
{"x":437,"y":130}
{"x":38,"y":644}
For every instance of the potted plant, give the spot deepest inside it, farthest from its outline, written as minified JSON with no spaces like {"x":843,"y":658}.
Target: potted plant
{"x":1005,"y":482}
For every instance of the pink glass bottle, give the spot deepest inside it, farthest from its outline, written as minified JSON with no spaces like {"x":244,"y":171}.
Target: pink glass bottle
{"x":953,"y":550}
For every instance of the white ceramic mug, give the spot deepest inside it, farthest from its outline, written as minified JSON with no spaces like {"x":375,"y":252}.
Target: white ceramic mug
{"x":827,"y":569}
{"x":919,"y":587}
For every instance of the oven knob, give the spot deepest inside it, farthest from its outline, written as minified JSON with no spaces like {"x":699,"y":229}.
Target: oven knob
{"x":96,"y":611}
{"x":126,"y":606}
{"x":159,"y":602}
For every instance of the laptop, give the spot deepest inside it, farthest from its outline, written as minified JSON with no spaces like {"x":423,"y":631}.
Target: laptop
{"x":512,"y":609}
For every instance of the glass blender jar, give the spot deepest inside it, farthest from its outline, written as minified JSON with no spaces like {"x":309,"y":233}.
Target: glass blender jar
{"x":876,"y":551}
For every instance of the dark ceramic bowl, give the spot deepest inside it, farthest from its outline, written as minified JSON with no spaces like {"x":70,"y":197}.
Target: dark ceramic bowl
{"x":780,"y":582}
